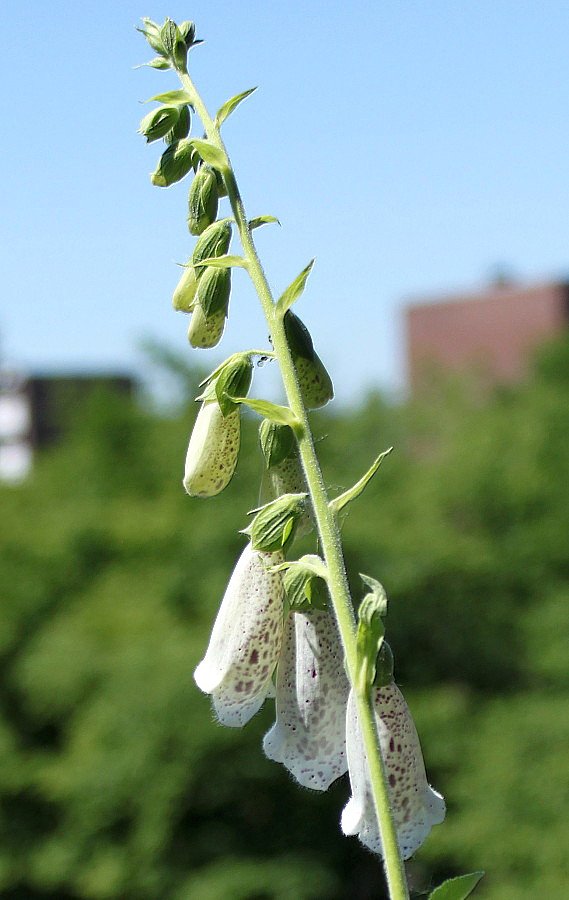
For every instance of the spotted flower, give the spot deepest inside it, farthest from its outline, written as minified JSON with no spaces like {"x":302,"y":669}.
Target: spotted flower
{"x":309,"y":736}
{"x":416,"y":807}
{"x":245,"y":641}
{"x":212,"y":452}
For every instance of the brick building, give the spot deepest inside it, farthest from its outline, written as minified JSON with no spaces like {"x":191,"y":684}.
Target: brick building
{"x":492,"y":333}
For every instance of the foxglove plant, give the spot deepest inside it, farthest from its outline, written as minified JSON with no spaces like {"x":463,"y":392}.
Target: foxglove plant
{"x":286,"y":626}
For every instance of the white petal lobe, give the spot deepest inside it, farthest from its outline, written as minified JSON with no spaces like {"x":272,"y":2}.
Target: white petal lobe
{"x":245,"y":641}
{"x":308,"y":736}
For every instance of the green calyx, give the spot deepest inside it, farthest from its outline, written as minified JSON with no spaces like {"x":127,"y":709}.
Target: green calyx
{"x":158,"y":122}
{"x":202,"y":200}
{"x":305,"y":583}
{"x":233,"y":380}
{"x":277,"y":442}
{"x":274,"y":525}
{"x":175,"y":163}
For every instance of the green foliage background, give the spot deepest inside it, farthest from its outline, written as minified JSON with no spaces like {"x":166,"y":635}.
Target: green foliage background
{"x":115,"y":782}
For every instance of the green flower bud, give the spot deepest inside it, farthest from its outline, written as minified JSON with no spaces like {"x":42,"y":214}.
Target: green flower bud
{"x":277,"y":442}
{"x":181,"y":129}
{"x":174,"y":163}
{"x":185,"y":290}
{"x":315,"y":383}
{"x":174,"y":44}
{"x":213,"y":450}
{"x":151,"y":32}
{"x":158,"y":121}
{"x":205,"y":331}
{"x":188,"y":32}
{"x":214,"y":241}
{"x":213,"y":290}
{"x":202,"y":200}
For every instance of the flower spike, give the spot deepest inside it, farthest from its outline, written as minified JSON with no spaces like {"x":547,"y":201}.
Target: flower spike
{"x":246,"y":639}
{"x":415,"y":806}
{"x":308,"y":736}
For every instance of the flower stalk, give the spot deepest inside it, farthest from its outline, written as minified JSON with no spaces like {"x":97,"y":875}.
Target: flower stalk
{"x":325,"y":520}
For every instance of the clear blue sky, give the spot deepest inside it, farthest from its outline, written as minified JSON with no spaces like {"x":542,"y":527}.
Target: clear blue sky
{"x":409,"y":145}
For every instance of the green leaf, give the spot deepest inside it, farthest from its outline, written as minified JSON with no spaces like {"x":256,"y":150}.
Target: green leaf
{"x":223,"y":262}
{"x":257,"y":221}
{"x":352,"y":493}
{"x":282,"y":415}
{"x":456,"y":888}
{"x":227,"y":108}
{"x":210,"y":153}
{"x":294,"y":290}
{"x":172,"y":97}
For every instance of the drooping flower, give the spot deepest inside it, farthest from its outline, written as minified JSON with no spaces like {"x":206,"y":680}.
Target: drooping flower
{"x":309,"y":736}
{"x":416,"y":807}
{"x":246,"y":639}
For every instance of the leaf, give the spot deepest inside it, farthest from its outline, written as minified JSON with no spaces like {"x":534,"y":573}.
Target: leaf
{"x":282,"y":415}
{"x":157,"y":63}
{"x":210,"y":153}
{"x":257,"y":221}
{"x":227,"y":108}
{"x":456,"y":888}
{"x":172,"y":97}
{"x":352,"y":493}
{"x":223,"y":262}
{"x":294,"y":290}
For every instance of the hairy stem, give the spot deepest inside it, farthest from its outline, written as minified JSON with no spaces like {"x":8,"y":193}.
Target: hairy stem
{"x":325,"y":520}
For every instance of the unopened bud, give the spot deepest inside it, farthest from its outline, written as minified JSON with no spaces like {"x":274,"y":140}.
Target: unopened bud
{"x":158,"y":122}
{"x":212,"y":451}
{"x":202,"y":200}
{"x":214,"y":288}
{"x":205,"y":331}
{"x":314,"y":382}
{"x":181,"y":129}
{"x":174,"y":164}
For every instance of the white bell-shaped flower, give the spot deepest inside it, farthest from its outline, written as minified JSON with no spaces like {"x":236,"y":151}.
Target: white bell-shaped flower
{"x":309,"y":735}
{"x":415,"y":806}
{"x":246,"y":639}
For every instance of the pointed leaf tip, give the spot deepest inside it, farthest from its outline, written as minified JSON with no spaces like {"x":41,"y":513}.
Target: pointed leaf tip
{"x":227,"y":108}
{"x":457,"y":888}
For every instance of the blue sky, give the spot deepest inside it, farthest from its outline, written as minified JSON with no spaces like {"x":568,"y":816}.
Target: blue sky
{"x":411,"y":147}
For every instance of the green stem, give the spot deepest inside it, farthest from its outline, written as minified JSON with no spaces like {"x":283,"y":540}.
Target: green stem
{"x":325,"y":520}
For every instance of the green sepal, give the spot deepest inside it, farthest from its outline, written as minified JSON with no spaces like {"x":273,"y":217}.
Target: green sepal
{"x":151,"y":32}
{"x":457,"y":888}
{"x":211,"y":154}
{"x":158,"y":122}
{"x":282,"y":415}
{"x":213,"y":290}
{"x":257,"y":221}
{"x":298,"y":337}
{"x":227,"y":108}
{"x":225,"y":261}
{"x":354,"y":492}
{"x":384,"y":666}
{"x":294,"y":290}
{"x":174,"y":44}
{"x":277,"y":442}
{"x":174,"y":164}
{"x":274,"y":525}
{"x":370,"y":633}
{"x":234,"y":378}
{"x":213,"y":242}
{"x":188,"y":32}
{"x":305,"y":583}
{"x":178,"y":97}
{"x":181,"y":130}
{"x":202,"y":200}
